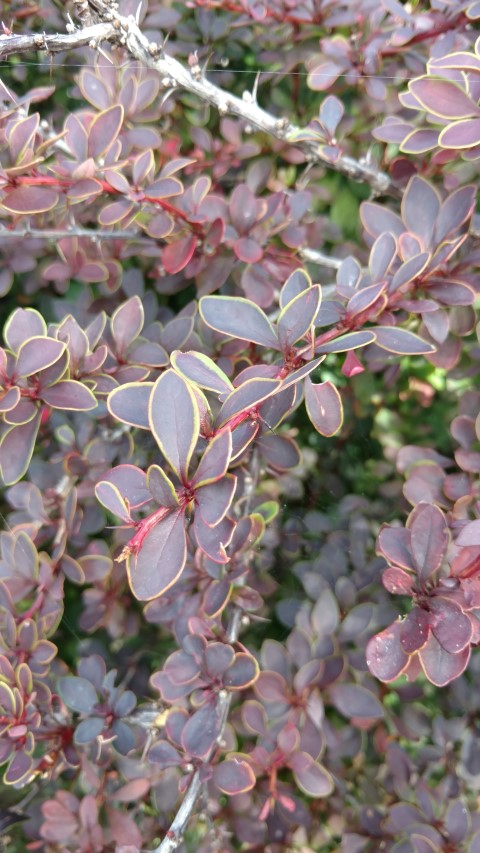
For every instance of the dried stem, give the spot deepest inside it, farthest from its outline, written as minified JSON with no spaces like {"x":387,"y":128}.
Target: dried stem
{"x":125,"y":31}
{"x":177,"y":828}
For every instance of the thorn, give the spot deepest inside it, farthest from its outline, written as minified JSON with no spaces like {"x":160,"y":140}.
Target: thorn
{"x":255,"y":87}
{"x":205,"y":64}
{"x":166,"y":96}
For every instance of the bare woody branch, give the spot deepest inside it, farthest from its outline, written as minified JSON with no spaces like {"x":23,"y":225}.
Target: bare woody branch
{"x":23,"y":232}
{"x":126,"y":32}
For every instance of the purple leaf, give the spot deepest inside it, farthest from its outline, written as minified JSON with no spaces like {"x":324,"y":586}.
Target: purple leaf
{"x":201,"y":370}
{"x":161,"y":487}
{"x":161,"y":558}
{"x":248,"y":250}
{"x":88,"y":730}
{"x":443,"y":98}
{"x":238,"y":318}
{"x":16,"y":448}
{"x":110,"y":497}
{"x":78,"y":694}
{"x":331,"y":113}
{"x":401,"y":341}
{"x":324,"y":407}
{"x":214,"y":540}
{"x":279,"y":451}
{"x":415,"y":630}
{"x":69,"y":395}
{"x":177,"y":255}
{"x":352,"y":700}
{"x":441,"y":666}
{"x":470,"y":534}
{"x":455,"y":210}
{"x":127,"y":323}
{"x":296,"y":283}
{"x":30,"y":200}
{"x":215,"y":500}
{"x":234,"y":776}
{"x":247,"y":397}
{"x":452,"y":628}
{"x":460,"y":134}
{"x":242,"y":673}
{"x":429,"y":538}
{"x":296,"y":318}
{"x":175,"y":426}
{"x":386,"y":658}
{"x":395,"y":545}
{"x":164,"y":188}
{"x":22,"y":324}
{"x":104,"y":130}
{"x":131,"y":483}
{"x":420,"y":206}
{"x":200,"y":732}
{"x":215,"y":460}
{"x":311,"y":777}
{"x":350,"y":341}
{"x":129,"y":403}
{"x":37,"y":354}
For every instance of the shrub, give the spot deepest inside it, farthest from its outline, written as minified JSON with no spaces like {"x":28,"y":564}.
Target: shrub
{"x":239,"y":441}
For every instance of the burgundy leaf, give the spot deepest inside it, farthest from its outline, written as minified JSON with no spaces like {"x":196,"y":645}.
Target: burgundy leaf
{"x":69,"y":395}
{"x":200,"y":732}
{"x":441,"y":666}
{"x":129,"y":403}
{"x":246,"y":398}
{"x":415,"y":630}
{"x":199,"y":368}
{"x":177,"y":255}
{"x":401,"y":341}
{"x":215,"y":499}
{"x":296,"y":318}
{"x":215,"y":460}
{"x":161,"y":558}
{"x":311,"y":777}
{"x":443,"y":98}
{"x":451,"y":627}
{"x":238,"y":318}
{"x":16,"y":448}
{"x":175,"y":426}
{"x":127,"y":323}
{"x":37,"y":354}
{"x":161,"y":487}
{"x":242,"y":673}
{"x":104,"y":130}
{"x":324,"y":407}
{"x":353,"y":700}
{"x":429,"y":538}
{"x":386,"y":658}
{"x":234,"y":776}
{"x":30,"y":200}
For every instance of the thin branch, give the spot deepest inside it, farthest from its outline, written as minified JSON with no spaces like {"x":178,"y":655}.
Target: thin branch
{"x":313,"y":256}
{"x":55,"y":43}
{"x":75,"y":231}
{"x":174,"y":75}
{"x":177,"y":828}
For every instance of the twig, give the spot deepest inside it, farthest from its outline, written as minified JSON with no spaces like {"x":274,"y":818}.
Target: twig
{"x":174,"y":75}
{"x":56,"y":42}
{"x":75,"y":231}
{"x":313,"y":256}
{"x":177,"y":828}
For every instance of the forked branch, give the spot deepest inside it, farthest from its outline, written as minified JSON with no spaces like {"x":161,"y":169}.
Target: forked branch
{"x":124,"y":31}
